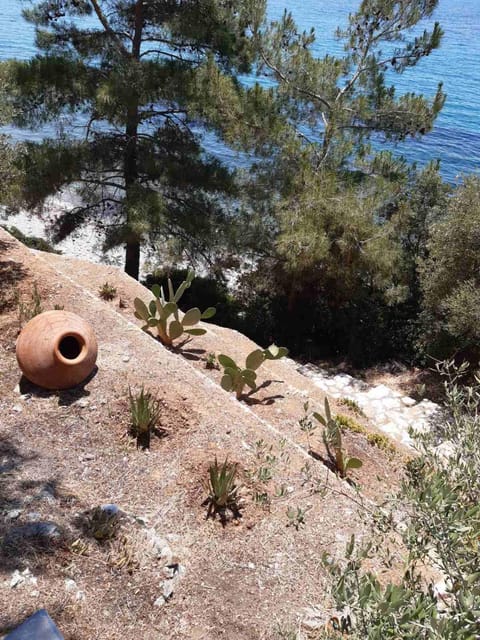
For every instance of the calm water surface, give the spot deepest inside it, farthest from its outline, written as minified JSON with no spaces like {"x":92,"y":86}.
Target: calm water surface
{"x":455,"y":139}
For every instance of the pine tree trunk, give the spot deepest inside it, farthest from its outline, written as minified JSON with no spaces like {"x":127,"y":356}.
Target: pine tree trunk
{"x":130,"y":169}
{"x":132,"y":258}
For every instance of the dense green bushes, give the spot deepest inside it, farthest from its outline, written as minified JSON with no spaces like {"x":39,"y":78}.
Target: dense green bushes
{"x":437,"y":515}
{"x":450,"y":278}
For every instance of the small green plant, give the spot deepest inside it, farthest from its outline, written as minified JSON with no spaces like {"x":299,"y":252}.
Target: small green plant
{"x":211,"y":361}
{"x":332,"y":439}
{"x":163,"y":313}
{"x":236,"y":378}
{"x":353,"y":405}
{"x":420,"y":391}
{"x":107,"y":291}
{"x":306,"y":423}
{"x":58,"y":307}
{"x":221,"y":487}
{"x":102,"y":523}
{"x":374,"y":439}
{"x":29,"y":309}
{"x":296,"y":517}
{"x":144,"y":413}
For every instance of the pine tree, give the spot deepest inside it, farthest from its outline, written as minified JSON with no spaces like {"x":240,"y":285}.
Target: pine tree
{"x":132,"y":82}
{"x":342,"y":222}
{"x":336,"y":104}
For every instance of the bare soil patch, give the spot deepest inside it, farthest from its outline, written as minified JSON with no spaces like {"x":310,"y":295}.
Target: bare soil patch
{"x":63,"y":454}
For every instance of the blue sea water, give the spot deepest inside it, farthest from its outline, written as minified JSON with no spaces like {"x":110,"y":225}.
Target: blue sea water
{"x":455,"y":140}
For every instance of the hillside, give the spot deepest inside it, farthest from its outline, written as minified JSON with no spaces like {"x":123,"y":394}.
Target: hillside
{"x":64,"y":453}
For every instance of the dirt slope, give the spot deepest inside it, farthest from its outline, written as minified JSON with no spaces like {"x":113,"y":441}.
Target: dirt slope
{"x":62,"y":453}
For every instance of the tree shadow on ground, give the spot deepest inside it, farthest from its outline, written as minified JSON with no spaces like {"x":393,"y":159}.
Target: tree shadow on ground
{"x":11,"y":273}
{"x":66,"y":397}
{"x":24,"y":541}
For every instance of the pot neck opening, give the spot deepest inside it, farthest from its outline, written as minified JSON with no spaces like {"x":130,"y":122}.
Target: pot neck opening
{"x":70,"y":348}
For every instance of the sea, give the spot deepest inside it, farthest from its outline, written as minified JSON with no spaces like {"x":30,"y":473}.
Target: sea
{"x":455,"y":139}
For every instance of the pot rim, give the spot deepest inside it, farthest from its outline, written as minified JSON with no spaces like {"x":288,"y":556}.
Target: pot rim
{"x":81,"y":342}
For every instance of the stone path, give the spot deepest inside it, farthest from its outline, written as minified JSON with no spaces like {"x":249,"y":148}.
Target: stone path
{"x":391,"y":412}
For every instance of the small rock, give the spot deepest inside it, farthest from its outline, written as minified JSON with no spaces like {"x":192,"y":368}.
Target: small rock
{"x":17,"y":408}
{"x":33,"y":516}
{"x":409,"y":402}
{"x":25,"y":397}
{"x":86,"y":456}
{"x":168,"y":587}
{"x":13,"y":514}
{"x":17,"y":389}
{"x":43,"y":531}
{"x":24,"y":577}
{"x":380,"y":391}
{"x":70,"y":585}
{"x":47,"y":494}
{"x":83,"y":402}
{"x":251,"y":565}
{"x":126,"y":359}
{"x":159,"y":602}
{"x":111,"y":509}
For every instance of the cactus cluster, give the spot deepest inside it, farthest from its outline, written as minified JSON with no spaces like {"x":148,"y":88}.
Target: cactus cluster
{"x":236,"y":378}
{"x":332,"y":439}
{"x":163,"y":313}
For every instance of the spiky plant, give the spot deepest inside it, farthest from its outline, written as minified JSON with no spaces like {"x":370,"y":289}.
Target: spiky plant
{"x":107,"y":291}
{"x":222,"y":491}
{"x":144,"y":413}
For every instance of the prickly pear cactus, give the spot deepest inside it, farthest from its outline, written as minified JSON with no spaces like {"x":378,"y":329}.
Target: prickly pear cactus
{"x":236,"y":378}
{"x":164,"y":314}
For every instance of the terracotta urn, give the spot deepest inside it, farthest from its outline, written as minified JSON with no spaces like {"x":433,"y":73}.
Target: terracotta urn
{"x":56,"y":350}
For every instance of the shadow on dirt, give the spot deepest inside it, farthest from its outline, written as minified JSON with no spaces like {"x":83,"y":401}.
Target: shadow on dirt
{"x":25,"y":538}
{"x":66,"y":397}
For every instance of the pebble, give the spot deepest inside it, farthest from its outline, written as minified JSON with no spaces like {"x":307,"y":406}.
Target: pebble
{"x":82,"y":403}
{"x":17,"y":408}
{"x":20,"y":578}
{"x":13,"y":514}
{"x":159,"y":602}
{"x":126,"y":359}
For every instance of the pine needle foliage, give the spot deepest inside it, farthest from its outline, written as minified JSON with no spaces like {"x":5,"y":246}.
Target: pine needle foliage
{"x":131,"y":83}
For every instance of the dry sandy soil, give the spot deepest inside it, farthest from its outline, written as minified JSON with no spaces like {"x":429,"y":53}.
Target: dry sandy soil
{"x":64,"y":453}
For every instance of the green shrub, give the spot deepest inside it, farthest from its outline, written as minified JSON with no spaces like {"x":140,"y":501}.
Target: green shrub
{"x":450,"y":279}
{"x":31,"y":241}
{"x":373,"y":438}
{"x":353,"y":405}
{"x":438,"y":511}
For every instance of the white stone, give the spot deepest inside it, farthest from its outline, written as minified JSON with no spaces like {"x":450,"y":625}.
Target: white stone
{"x":159,"y":602}
{"x":409,"y":402}
{"x":380,"y":391}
